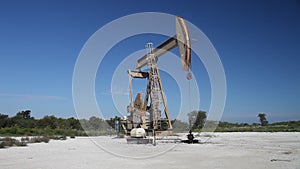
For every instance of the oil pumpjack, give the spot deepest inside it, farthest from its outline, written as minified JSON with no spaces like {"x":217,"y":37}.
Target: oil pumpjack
{"x":148,"y":118}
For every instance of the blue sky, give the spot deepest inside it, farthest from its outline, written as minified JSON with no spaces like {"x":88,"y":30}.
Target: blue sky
{"x":258,"y":43}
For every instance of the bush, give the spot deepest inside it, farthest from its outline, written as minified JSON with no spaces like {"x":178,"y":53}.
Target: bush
{"x":58,"y":137}
{"x":2,"y":145}
{"x":20,"y":143}
{"x":39,"y":139}
{"x":25,"y":139}
{"x":45,"y":139}
{"x":9,"y":141}
{"x":35,"y":140}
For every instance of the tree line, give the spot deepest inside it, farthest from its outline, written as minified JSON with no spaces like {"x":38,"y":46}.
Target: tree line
{"x":24,"y":124}
{"x":197,"y":119}
{"x":23,"y":119}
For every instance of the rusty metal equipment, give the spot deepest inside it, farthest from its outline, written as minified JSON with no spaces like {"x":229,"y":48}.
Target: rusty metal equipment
{"x":149,"y":116}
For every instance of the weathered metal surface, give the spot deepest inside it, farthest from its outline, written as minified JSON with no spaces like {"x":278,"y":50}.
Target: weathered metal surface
{"x":139,"y":141}
{"x":184,"y":43}
{"x":160,"y":50}
{"x":181,"y":39}
{"x":138,"y":74}
{"x":139,"y":107}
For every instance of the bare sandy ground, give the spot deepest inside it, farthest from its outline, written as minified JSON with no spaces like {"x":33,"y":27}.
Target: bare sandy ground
{"x":219,"y":150}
